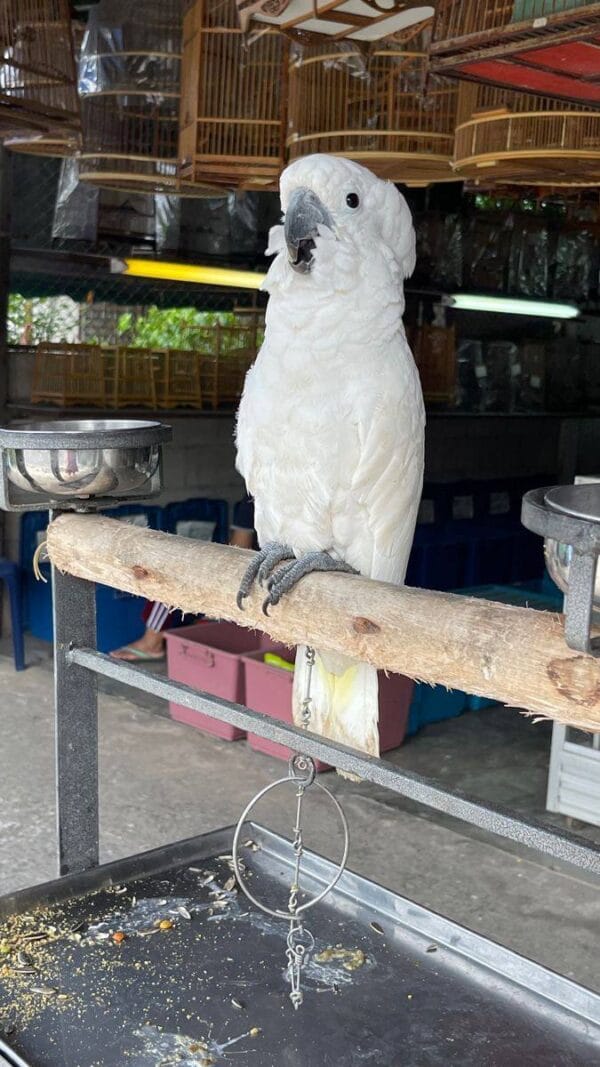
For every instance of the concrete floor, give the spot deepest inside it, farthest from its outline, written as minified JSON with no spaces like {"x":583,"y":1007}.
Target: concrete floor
{"x":161,"y":781}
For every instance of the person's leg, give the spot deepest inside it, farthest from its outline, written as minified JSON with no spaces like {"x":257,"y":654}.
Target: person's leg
{"x":151,"y":645}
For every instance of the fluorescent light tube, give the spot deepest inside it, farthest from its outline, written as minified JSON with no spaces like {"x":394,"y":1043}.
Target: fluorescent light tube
{"x":506,"y":305}
{"x":187,"y":272}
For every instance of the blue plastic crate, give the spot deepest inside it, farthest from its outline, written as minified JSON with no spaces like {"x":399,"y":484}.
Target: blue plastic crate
{"x":118,"y":614}
{"x":202,"y":510}
{"x":433,"y":703}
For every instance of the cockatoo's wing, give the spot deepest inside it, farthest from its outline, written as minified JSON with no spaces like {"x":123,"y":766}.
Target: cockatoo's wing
{"x":388,"y":483}
{"x":375,"y":529}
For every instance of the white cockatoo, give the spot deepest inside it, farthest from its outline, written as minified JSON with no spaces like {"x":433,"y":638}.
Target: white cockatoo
{"x":330,"y":430}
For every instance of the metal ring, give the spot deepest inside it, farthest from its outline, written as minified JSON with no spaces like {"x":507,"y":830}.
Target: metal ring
{"x":276,"y":912}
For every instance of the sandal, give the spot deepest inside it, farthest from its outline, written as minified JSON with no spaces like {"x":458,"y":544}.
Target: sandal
{"x":139,"y":654}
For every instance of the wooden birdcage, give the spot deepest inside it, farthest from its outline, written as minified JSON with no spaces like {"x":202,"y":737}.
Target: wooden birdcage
{"x":546,"y":47}
{"x":69,"y":375}
{"x":135,"y":378}
{"x":177,"y":379}
{"x":373,"y":108}
{"x":236,"y":347}
{"x":38,"y":87}
{"x":62,"y":141}
{"x":232,"y":118}
{"x":129,"y":83}
{"x":503,"y":136}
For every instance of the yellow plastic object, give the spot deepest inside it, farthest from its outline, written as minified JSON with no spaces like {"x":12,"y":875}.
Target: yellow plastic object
{"x":276,"y":661}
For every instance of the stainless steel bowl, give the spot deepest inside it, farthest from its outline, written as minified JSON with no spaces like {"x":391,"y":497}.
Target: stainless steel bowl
{"x":82,"y":459}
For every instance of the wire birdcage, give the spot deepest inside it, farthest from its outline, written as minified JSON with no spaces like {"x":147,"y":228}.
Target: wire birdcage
{"x":503,"y":136}
{"x":233,"y":90}
{"x":377,"y":108}
{"x":129,"y":81}
{"x":38,"y":85}
{"x":546,"y":47}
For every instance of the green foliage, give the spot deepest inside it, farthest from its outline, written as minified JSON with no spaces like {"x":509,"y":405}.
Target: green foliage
{"x":171,"y":327}
{"x":51,"y":318}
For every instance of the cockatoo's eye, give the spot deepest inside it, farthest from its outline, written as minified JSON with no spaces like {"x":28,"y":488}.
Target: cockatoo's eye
{"x":353,"y":200}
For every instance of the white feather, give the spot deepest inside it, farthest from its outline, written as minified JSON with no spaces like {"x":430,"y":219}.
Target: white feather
{"x":331,"y":423}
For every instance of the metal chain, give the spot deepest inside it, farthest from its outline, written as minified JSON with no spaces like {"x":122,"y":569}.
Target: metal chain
{"x":297,"y":935}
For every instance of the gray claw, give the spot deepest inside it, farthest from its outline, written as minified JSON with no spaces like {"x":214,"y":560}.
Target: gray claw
{"x":261,"y":567}
{"x":284,"y":579}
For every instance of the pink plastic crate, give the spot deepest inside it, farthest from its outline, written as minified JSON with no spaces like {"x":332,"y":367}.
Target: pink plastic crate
{"x":269,"y":690}
{"x":207,"y":656}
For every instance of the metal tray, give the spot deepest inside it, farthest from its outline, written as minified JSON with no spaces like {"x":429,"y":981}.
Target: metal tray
{"x":413,"y":989}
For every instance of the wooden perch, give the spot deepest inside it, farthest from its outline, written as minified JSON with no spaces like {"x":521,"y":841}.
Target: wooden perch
{"x":516,"y":656}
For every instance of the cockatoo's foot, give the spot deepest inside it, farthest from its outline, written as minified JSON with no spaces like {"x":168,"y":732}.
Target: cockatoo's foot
{"x":288,"y":576}
{"x":262,"y":567}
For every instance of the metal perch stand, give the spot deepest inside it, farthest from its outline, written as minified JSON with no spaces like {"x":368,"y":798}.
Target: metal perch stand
{"x":82,"y":467}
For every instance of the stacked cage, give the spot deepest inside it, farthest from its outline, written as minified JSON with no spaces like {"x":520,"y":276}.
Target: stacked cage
{"x":546,"y":47}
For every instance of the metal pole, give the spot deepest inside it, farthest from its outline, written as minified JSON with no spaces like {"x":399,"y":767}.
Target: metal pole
{"x":563,"y":846}
{"x":76,"y":717}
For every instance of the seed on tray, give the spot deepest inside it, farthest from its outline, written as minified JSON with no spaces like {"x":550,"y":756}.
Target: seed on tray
{"x":255,"y":1031}
{"x":229,"y":884}
{"x":44,"y":990}
{"x":185,"y":914}
{"x":431,"y":948}
{"x":23,"y":959}
{"x":165,"y":924}
{"x":237,"y":1004}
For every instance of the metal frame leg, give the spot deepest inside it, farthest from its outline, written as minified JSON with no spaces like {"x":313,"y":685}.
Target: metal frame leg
{"x":579,"y":602}
{"x":76,"y":717}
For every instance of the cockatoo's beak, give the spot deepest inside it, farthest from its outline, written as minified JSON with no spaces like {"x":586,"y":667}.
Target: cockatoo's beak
{"x":304,"y":215}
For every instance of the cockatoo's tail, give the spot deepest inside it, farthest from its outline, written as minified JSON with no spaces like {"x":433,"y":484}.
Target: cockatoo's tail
{"x":331,"y":423}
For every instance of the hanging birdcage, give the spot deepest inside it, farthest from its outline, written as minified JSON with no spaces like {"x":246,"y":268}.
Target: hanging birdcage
{"x":232,"y":120}
{"x":503,"y":136}
{"x":62,"y":142}
{"x":546,"y":47}
{"x":129,"y":82}
{"x":376,"y":108}
{"x":38,"y":87}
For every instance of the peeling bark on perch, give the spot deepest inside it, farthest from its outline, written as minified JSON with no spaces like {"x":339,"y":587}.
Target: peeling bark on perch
{"x":516,"y":656}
